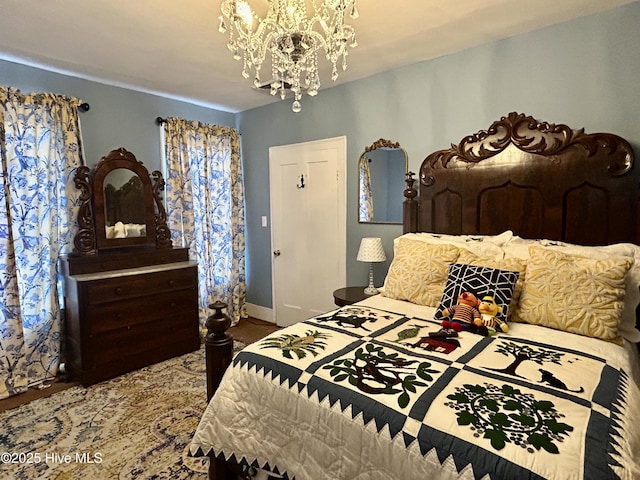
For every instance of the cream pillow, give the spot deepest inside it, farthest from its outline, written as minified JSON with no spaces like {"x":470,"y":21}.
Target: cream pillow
{"x":418,"y":272}
{"x":499,"y":240}
{"x":480,"y":245}
{"x":574,"y":293}
{"x":519,"y":247}
{"x":512,"y":264}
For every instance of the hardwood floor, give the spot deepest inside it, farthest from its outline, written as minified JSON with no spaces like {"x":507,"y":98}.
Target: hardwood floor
{"x":251,"y":329}
{"x":247,"y":331}
{"x":35,"y":393}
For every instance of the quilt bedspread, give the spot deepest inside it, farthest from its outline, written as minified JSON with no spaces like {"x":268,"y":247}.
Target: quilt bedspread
{"x":366,"y":393}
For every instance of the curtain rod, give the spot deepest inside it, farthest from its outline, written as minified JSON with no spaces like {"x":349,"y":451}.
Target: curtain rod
{"x":162,"y":121}
{"x":84,"y":107}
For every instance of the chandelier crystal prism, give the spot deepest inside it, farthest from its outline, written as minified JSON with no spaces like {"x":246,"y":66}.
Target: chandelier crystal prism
{"x":291,"y":33}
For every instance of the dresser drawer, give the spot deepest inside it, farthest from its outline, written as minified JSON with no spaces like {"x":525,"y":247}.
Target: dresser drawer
{"x":116,"y":260}
{"x":126,"y":362}
{"x":140,"y":338}
{"x":103,"y":317}
{"x":114,"y":289}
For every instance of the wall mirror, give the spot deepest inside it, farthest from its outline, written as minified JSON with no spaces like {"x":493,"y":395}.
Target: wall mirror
{"x":381,"y":174}
{"x":120,"y":206}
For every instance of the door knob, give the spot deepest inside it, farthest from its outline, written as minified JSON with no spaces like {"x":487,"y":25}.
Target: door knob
{"x":276,"y":253}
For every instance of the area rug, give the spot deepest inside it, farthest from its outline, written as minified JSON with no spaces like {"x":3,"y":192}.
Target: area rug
{"x":138,"y":425}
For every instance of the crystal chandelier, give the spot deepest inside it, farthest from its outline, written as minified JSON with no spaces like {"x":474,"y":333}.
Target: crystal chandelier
{"x":293,"y":39}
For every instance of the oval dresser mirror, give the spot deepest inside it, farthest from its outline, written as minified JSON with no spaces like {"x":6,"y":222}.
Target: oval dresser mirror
{"x":124,"y":204}
{"x":381,"y":173}
{"x":120,"y":206}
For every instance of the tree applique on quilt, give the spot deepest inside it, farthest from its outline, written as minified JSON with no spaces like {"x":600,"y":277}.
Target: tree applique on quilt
{"x":298,"y":344}
{"x":524,"y":353}
{"x":375,"y":372}
{"x":506,"y":415}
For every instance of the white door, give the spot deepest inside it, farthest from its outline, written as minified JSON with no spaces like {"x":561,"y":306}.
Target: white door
{"x":308,"y":227}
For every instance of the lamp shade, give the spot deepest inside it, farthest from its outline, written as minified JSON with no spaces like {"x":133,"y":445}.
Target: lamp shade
{"x":371,"y":250}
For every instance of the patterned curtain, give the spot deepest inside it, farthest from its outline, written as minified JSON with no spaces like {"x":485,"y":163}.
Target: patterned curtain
{"x":39,"y":150}
{"x":365,"y":213}
{"x":205,"y":205}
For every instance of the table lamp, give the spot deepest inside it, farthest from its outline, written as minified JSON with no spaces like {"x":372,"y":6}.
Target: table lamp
{"x":371,"y":251}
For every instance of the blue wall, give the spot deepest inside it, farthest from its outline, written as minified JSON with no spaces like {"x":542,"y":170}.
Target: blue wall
{"x":583,"y":73}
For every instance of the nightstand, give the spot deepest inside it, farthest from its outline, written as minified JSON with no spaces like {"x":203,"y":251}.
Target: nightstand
{"x":349,"y":295}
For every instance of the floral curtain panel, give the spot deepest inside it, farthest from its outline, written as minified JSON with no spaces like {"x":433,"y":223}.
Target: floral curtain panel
{"x":39,"y":150}
{"x":365,"y":213}
{"x":205,"y":205}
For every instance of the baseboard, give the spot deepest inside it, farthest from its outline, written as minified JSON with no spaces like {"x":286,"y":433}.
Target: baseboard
{"x":261,"y":313}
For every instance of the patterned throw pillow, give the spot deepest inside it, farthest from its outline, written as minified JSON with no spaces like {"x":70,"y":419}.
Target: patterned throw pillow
{"x":512,"y":264}
{"x":418,"y":271}
{"x":481,"y":281}
{"x":574,"y":293}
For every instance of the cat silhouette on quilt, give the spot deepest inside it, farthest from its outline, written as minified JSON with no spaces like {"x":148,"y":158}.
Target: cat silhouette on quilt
{"x":553,"y":381}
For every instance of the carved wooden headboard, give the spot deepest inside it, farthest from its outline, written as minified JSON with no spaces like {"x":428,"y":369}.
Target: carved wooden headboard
{"x":537,"y":179}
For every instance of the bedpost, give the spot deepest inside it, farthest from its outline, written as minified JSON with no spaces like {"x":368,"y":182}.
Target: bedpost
{"x":218,"y":346}
{"x":410,"y":206}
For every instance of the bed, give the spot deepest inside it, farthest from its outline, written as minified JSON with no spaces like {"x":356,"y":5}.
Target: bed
{"x":540,"y":218}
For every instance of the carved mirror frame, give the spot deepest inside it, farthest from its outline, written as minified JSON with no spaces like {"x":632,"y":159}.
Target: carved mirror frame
{"x":385,"y":145}
{"x":92,"y":235}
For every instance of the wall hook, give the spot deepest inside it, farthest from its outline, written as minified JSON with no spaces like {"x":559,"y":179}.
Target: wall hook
{"x":301,"y":182}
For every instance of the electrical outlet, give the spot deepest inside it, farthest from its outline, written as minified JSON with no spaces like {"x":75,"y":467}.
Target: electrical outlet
{"x":264,"y":220}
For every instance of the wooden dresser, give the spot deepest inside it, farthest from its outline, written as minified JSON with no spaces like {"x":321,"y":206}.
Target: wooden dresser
{"x":126,"y":310}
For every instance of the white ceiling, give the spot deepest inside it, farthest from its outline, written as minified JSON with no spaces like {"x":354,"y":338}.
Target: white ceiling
{"x":173,"y":48}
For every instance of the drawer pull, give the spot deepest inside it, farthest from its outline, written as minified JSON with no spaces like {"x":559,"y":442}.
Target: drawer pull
{"x":120,"y":316}
{"x":172,"y":283}
{"x":118,"y":290}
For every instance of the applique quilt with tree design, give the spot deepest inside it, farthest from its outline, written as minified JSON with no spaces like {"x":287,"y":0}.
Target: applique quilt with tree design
{"x":503,"y":406}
